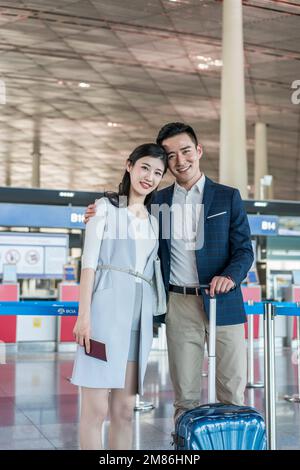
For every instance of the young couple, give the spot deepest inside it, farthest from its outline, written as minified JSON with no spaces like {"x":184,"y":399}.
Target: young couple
{"x":117,"y":302}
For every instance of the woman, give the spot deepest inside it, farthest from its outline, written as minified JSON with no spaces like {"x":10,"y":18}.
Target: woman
{"x":117,"y":304}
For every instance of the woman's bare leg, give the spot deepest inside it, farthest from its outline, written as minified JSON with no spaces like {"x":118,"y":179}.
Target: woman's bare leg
{"x":94,"y":407}
{"x":121,"y":407}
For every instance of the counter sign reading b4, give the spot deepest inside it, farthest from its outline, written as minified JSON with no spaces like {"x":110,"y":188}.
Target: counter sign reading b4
{"x":264,"y":224}
{"x":268,"y":225}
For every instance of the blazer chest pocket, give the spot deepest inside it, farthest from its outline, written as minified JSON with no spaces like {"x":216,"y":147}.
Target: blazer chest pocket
{"x":217,"y":224}
{"x":217,"y":216}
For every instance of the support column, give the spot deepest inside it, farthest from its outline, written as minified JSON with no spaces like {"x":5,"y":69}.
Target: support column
{"x":233,"y":153}
{"x":7,"y":150}
{"x":7,"y":169}
{"x":2,"y":92}
{"x":271,"y":190}
{"x":36,"y":159}
{"x":261,"y":161}
{"x":72,"y":165}
{"x":36,"y":155}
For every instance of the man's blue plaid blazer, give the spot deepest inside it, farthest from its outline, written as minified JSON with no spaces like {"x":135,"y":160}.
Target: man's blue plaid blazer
{"x":226,"y":248}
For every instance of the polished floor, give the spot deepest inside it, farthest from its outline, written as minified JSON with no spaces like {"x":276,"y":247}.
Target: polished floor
{"x":39,"y":407}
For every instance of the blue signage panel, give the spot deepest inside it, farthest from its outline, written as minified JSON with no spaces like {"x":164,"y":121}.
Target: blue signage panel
{"x":263,"y":224}
{"x":35,"y":215}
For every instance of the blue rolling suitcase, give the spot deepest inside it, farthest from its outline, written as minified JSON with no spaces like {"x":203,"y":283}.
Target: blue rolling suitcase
{"x":217,"y":426}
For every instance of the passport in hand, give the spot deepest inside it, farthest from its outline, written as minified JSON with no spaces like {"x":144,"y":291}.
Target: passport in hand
{"x":97,"y":350}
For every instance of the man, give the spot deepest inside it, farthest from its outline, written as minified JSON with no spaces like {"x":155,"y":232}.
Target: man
{"x":217,"y":251}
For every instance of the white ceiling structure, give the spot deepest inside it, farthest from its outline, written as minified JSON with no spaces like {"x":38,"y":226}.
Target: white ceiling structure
{"x":92,"y":79}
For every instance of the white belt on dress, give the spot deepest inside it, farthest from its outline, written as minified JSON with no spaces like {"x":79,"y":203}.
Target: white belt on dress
{"x":125,"y":270}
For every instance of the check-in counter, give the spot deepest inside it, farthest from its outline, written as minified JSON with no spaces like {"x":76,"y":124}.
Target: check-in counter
{"x":8,"y":323}
{"x":68,"y":292}
{"x":252,"y":293}
{"x":36,"y":332}
{"x":291,"y":294}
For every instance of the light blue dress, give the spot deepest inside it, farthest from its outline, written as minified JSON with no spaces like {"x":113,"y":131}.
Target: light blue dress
{"x":121,"y":309}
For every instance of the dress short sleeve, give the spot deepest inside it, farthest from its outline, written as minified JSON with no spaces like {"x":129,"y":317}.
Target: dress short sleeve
{"x":94,"y":235}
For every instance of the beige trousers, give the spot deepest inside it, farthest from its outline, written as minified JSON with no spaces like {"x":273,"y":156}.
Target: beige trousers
{"x":187,"y":329}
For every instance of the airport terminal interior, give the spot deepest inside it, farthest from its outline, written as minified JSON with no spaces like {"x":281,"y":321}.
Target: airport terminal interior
{"x":82,"y":83}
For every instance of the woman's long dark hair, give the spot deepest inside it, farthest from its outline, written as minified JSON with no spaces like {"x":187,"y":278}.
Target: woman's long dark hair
{"x":144,"y":150}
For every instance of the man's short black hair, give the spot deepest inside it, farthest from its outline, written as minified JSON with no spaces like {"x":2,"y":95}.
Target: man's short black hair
{"x":174,"y":128}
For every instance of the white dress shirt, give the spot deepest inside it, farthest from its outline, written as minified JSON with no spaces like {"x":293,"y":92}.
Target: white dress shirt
{"x":186,"y":209}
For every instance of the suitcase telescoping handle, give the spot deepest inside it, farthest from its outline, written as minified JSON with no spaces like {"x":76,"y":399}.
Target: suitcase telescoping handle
{"x":211,"y":347}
